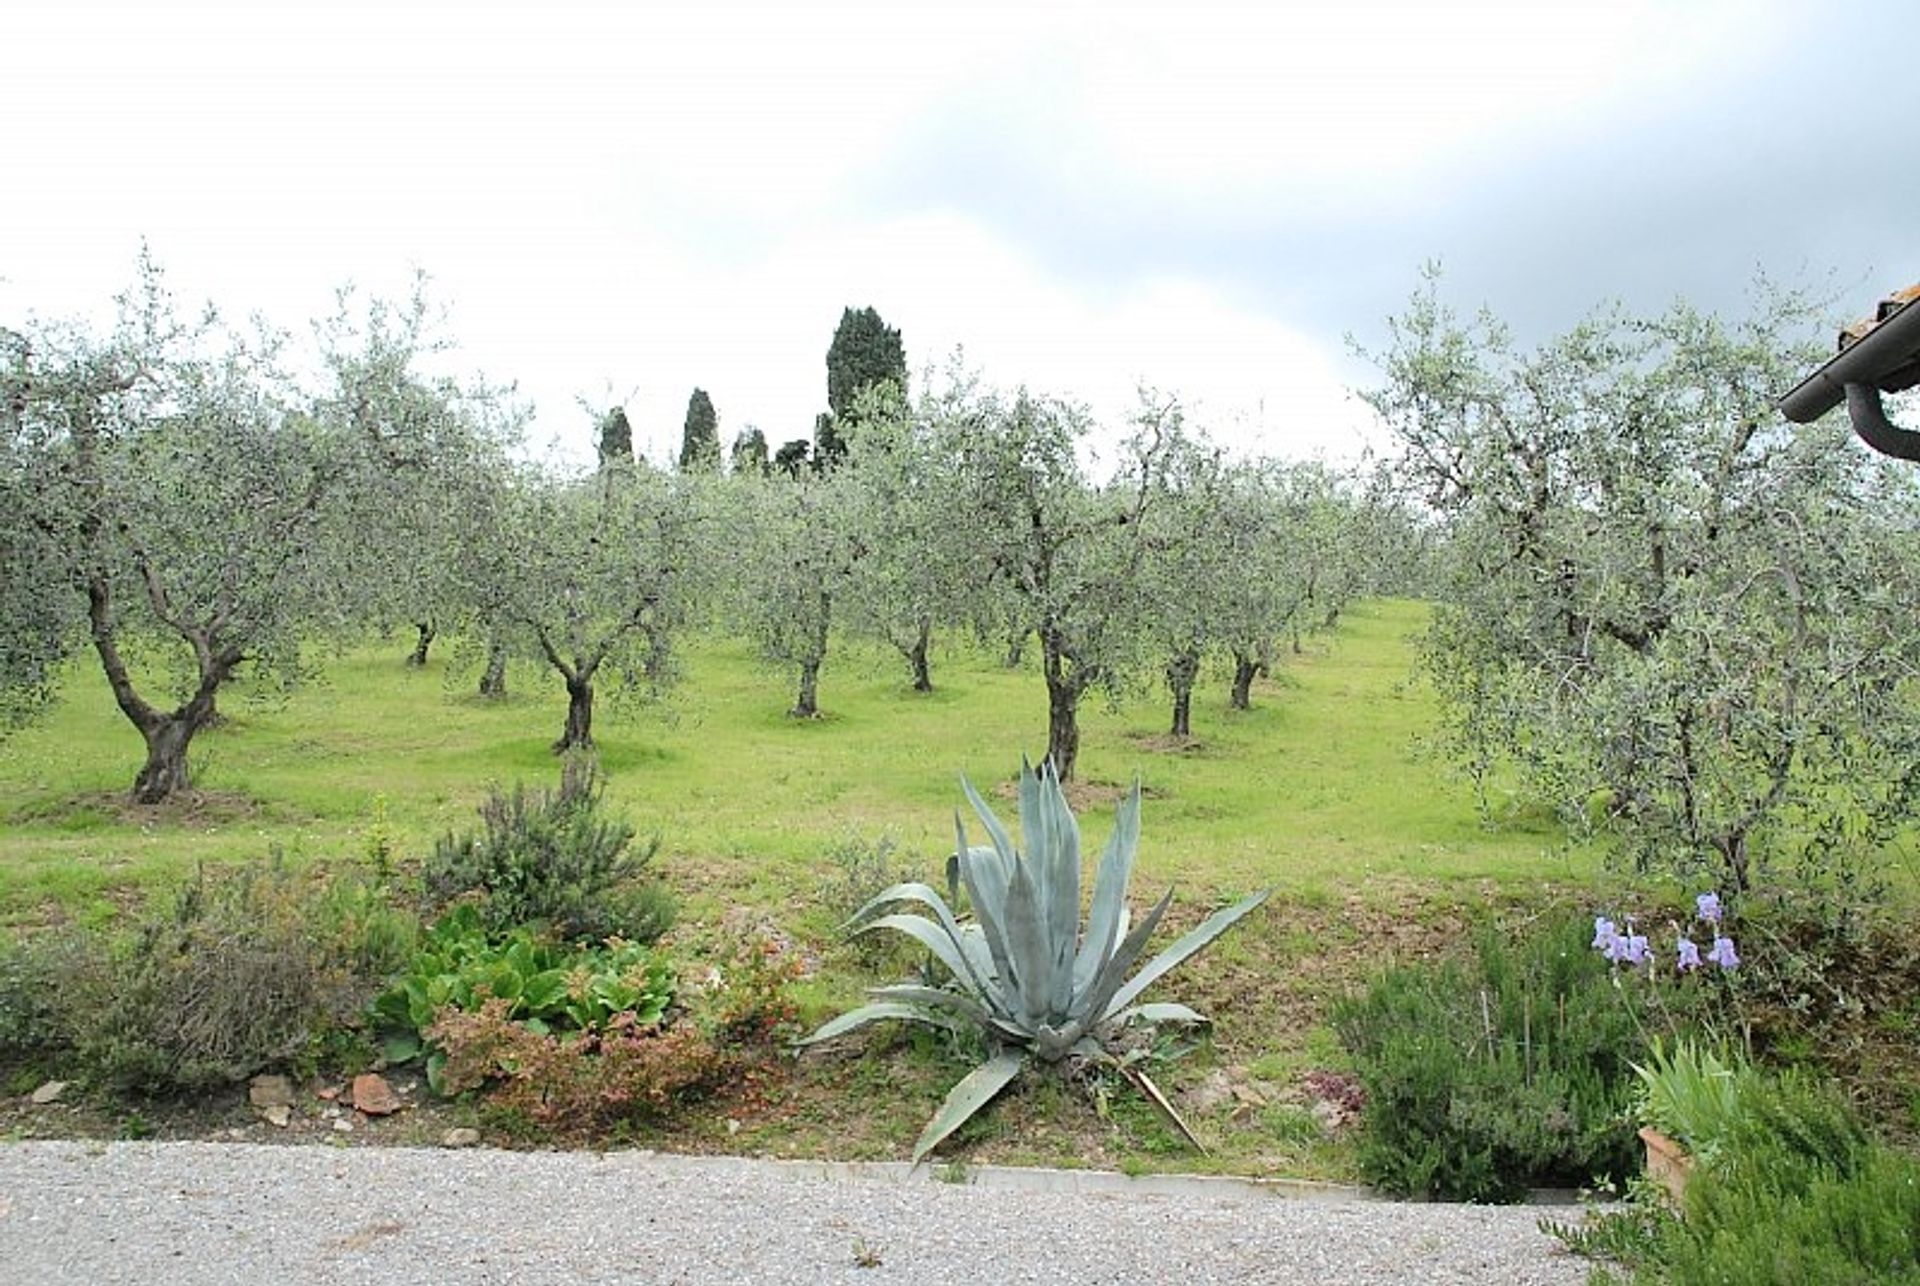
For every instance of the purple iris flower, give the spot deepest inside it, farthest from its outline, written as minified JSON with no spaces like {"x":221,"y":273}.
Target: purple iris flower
{"x":1689,"y":955}
{"x":1636,"y":951}
{"x":1603,"y":933}
{"x":1708,"y":906}
{"x":1723,"y":954}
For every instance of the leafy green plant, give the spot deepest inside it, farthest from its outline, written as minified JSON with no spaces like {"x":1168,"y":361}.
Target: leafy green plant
{"x":1023,"y":972}
{"x":1488,"y":1075}
{"x":1691,"y":1095}
{"x":539,"y":984}
{"x":1798,"y":1194}
{"x":553,"y":859}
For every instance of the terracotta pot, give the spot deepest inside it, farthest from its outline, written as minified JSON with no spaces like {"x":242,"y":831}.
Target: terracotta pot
{"x":1668,"y":1163}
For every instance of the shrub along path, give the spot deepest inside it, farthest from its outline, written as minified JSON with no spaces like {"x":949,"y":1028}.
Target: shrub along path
{"x":188,"y":1213}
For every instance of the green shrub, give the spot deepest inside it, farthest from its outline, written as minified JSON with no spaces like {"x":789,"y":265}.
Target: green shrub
{"x":552,"y":859}
{"x":1797,"y":1194}
{"x":236,"y":975}
{"x":539,"y":984}
{"x":38,"y":977}
{"x":1487,"y":1076}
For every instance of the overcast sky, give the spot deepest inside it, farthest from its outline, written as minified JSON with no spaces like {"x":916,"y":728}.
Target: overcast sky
{"x":622,"y":201}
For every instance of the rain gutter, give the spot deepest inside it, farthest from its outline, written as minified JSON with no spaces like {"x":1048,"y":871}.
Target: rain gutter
{"x":1885,"y":359}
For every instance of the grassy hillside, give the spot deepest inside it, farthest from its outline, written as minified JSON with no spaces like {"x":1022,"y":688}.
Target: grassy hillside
{"x":1320,"y":789}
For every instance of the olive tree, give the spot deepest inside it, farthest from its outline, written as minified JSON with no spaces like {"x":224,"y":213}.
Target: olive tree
{"x":184,"y":506}
{"x":913,"y":565}
{"x":1678,"y":617}
{"x":592,"y":577}
{"x":1067,"y":555}
{"x":790,"y":553}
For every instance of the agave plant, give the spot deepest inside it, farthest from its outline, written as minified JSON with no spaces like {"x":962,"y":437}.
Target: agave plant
{"x":1023,"y":971}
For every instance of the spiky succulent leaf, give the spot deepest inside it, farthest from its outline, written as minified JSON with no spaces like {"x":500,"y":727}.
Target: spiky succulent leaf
{"x":1060,"y":859}
{"x":911,"y":891}
{"x":877,"y":1012}
{"x":947,"y":949}
{"x":980,"y":874}
{"x":1113,"y":974}
{"x":977,"y":972}
{"x":951,"y":1003}
{"x":974,"y":1092}
{"x":1106,"y":919}
{"x":1194,"y":940}
{"x":1027,"y":946}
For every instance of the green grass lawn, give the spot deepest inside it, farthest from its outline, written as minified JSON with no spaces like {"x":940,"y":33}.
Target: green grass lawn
{"x":1320,"y":789}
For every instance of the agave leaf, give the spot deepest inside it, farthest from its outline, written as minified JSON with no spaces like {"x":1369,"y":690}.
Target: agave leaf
{"x":911,"y":891}
{"x":946,"y":949}
{"x":1191,"y":942}
{"x":1159,"y":1100}
{"x":989,"y":904}
{"x":1106,"y":922}
{"x":974,"y":1092}
{"x":1028,"y":947}
{"x":1002,"y":842}
{"x":940,"y":998}
{"x":973,"y":974}
{"x":1062,"y":902}
{"x":1098,"y":1001}
{"x":1162,"y":1011}
{"x":870,"y":1014}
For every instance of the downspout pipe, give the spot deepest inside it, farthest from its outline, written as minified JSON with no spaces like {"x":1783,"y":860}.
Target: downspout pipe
{"x":1871,"y":423}
{"x":1885,"y":359}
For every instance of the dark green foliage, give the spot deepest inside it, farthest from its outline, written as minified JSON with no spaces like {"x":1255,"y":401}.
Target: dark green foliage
{"x":552,"y":859}
{"x":828,"y":446}
{"x":792,"y":456}
{"x":245,"y":970}
{"x":1487,"y":1076}
{"x":1801,"y":1196}
{"x":700,"y":438}
{"x":616,"y":440}
{"x":750,"y":453}
{"x":865,"y":352}
{"x":38,"y":973}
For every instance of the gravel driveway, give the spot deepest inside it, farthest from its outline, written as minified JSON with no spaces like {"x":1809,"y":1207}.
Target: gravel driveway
{"x":164,"y":1213}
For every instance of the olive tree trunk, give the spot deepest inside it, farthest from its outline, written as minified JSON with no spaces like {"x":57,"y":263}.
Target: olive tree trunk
{"x":1245,"y":667}
{"x":423,"y":639}
{"x":1182,"y":669}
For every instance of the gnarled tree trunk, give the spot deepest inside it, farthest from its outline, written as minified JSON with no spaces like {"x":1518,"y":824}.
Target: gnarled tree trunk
{"x":916,"y":654}
{"x":1182,"y":669}
{"x":578,"y":734}
{"x":807,"y":705}
{"x":493,"y":679}
{"x":423,"y":639}
{"x":1065,"y":683}
{"x":1245,"y":668}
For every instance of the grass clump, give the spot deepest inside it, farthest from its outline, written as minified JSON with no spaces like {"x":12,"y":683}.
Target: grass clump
{"x":1488,"y":1075}
{"x":554,"y":860}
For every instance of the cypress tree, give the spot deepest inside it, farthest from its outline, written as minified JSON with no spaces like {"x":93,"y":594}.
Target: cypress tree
{"x":700,"y":440}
